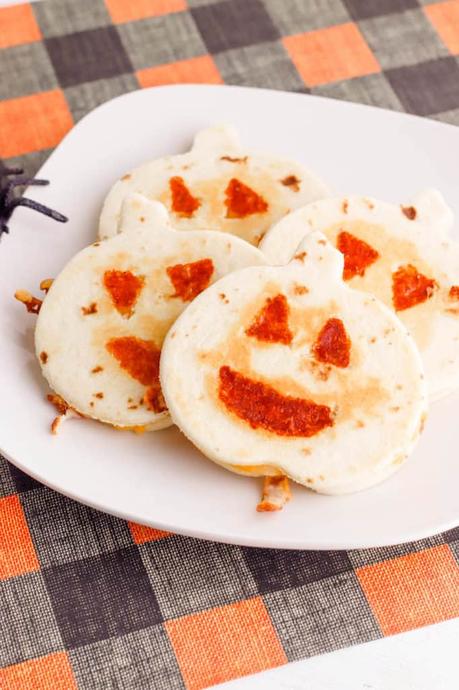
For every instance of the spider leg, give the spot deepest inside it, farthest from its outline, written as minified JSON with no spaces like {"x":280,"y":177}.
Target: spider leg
{"x":35,"y":206}
{"x":26,"y":182}
{"x":4,"y":172}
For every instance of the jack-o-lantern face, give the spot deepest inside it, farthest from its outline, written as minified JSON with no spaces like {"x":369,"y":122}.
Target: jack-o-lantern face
{"x":218,"y":185}
{"x":402,"y":255}
{"x":101,"y":327}
{"x":288,"y":371}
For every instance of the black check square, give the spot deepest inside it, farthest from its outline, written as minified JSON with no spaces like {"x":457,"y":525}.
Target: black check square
{"x":101,"y":597}
{"x":28,"y":627}
{"x":22,"y":481}
{"x":234,"y":24}
{"x":322,"y":616}
{"x":362,"y":9}
{"x":75,"y":532}
{"x":428,"y":88}
{"x":7,"y":486}
{"x":274,"y":570}
{"x":451,"y":535}
{"x":213,"y":576}
{"x":142,"y":660}
{"x":88,"y":55}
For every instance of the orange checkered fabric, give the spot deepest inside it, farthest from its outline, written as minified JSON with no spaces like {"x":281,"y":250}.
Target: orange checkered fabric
{"x":90,"y":601}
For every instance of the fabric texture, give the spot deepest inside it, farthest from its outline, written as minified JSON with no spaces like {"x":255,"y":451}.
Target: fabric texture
{"x":90,"y":601}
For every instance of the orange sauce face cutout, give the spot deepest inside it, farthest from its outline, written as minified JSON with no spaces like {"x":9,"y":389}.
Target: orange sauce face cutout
{"x":454,"y":293}
{"x":271,"y":324}
{"x":241,"y":201}
{"x":263,"y":407}
{"x":190,"y":279}
{"x":183,"y":202}
{"x":140,"y":358}
{"x":410,"y":288}
{"x":124,"y":288}
{"x":358,"y":255}
{"x":333,"y":345}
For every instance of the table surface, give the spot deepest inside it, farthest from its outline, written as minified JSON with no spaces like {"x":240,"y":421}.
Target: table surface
{"x":424,"y":659}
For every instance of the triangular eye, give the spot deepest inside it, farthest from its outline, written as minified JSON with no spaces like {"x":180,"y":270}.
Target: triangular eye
{"x":358,"y":255}
{"x":271,"y":323}
{"x":333,"y":345}
{"x":409,"y":287}
{"x":190,"y":279}
{"x":242,"y":201}
{"x":183,"y":202}
{"x":124,"y":288}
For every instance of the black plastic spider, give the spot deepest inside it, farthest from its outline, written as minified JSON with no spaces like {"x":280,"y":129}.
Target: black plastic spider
{"x":10,"y":179}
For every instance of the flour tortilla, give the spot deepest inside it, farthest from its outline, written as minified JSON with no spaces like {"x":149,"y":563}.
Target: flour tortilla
{"x":377,"y":402}
{"x":78,"y":317}
{"x":417,"y":234}
{"x":215,"y":159}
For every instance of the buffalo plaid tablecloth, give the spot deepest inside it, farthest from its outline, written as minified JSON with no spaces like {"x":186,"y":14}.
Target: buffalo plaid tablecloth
{"x":87,"y":600}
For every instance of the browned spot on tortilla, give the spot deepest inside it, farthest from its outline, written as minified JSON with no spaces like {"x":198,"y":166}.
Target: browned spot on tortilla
{"x":154,"y":399}
{"x":91,"y":309}
{"x":43,"y":357}
{"x":98,"y":395}
{"x":97,"y":370}
{"x":300,"y":289}
{"x":409,"y":211}
{"x":345,"y":206}
{"x":292,"y":181}
{"x":300,"y":256}
{"x":230,"y":159}
{"x":126,"y":177}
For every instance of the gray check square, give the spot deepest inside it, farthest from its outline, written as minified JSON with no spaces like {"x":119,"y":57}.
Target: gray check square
{"x":87,"y":56}
{"x":362,"y":9}
{"x":75,"y":530}
{"x":60,"y":17}
{"x":297,"y":16}
{"x":265,"y":65}
{"x":234,"y":24}
{"x":28,"y":625}
{"x":402,"y":39}
{"x":30,"y":163}
{"x":365,"y":557}
{"x":428,"y":88}
{"x":451,"y":117}
{"x":322,"y":616}
{"x":142,"y":660}
{"x":7,"y":486}
{"x":373,"y":89}
{"x":454,"y":546}
{"x":161,"y":40}
{"x":25,"y":69}
{"x":280,"y":569}
{"x":85,"y":97}
{"x":189,"y":575}
{"x":101,"y":597}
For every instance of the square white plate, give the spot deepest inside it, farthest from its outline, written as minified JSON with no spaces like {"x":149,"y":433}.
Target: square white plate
{"x":159,"y":479}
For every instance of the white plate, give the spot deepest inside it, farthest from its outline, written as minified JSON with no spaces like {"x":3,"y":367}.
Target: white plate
{"x":159,"y":479}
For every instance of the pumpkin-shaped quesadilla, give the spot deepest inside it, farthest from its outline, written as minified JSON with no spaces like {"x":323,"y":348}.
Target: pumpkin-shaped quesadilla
{"x":288,"y":371}
{"x":218,"y":185}
{"x":401,"y":254}
{"x":102,"y":324}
